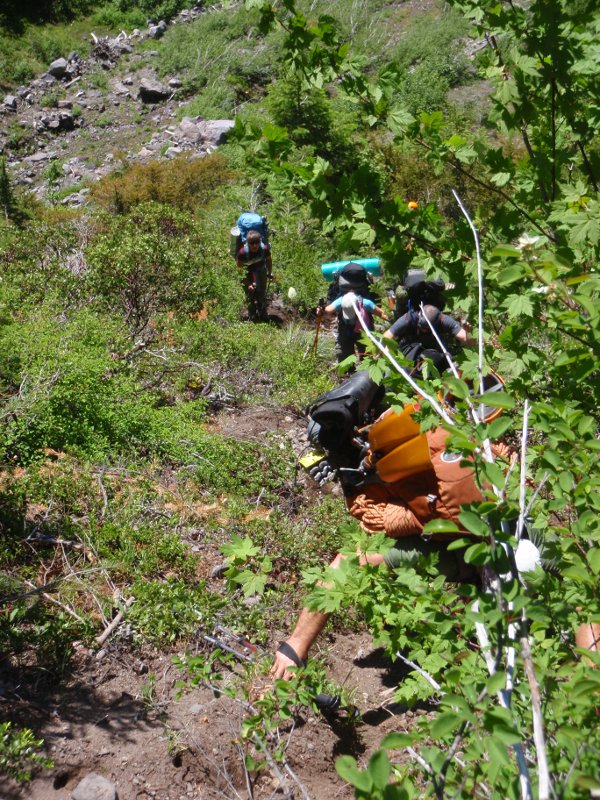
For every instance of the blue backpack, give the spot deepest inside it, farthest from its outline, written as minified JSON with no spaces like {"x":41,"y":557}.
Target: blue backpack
{"x":249,"y":221}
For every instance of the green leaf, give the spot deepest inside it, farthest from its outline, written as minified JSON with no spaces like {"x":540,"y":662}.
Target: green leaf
{"x":495,"y":399}
{"x":497,"y":751}
{"x":517,"y":305}
{"x":496,"y":682}
{"x":506,"y":251}
{"x":440,"y":526}
{"x":395,"y":741}
{"x":349,"y":772}
{"x":477,"y":554}
{"x":474,"y":523}
{"x":501,"y":178}
{"x":593,"y":558}
{"x":457,"y":387}
{"x":379,"y":769}
{"x":444,"y":723}
{"x":498,"y":427}
{"x":240,"y":549}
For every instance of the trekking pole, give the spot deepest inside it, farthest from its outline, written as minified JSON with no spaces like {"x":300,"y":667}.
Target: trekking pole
{"x":319,"y":319}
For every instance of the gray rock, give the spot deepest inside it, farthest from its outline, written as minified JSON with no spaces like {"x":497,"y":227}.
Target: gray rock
{"x":173,"y":152}
{"x":94,"y":787}
{"x":123,"y":47}
{"x":175,"y":83}
{"x":10,"y":102}
{"x":214,"y":131}
{"x":162,"y":25}
{"x":39,"y":156}
{"x":73,"y":56}
{"x":120,"y":88}
{"x":188,"y":130}
{"x":65,"y":104}
{"x":152,"y":91}
{"x":154,"y":32}
{"x":58,"y":68}
{"x":145,"y":152}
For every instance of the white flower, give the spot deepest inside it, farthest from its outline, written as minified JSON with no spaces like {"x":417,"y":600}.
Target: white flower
{"x":526,"y":242}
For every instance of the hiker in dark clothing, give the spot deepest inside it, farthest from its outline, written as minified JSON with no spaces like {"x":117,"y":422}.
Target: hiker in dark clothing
{"x":254,"y":260}
{"x":413,"y":333}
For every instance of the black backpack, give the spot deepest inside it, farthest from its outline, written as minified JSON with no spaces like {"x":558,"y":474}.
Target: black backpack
{"x":351,"y":278}
{"x":415,"y":289}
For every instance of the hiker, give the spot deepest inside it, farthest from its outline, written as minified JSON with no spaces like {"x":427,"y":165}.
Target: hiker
{"x":413,"y":333}
{"x":349,"y":329}
{"x":420,"y":481}
{"x":254,"y":260}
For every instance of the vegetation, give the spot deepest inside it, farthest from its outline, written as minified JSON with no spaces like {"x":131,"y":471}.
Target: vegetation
{"x":121,"y":345}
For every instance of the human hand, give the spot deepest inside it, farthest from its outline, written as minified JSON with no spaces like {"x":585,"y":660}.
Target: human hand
{"x":281,"y":667}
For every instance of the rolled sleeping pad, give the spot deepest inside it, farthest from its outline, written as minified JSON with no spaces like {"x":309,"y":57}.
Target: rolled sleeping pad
{"x":372,"y":265}
{"x":235,"y":241}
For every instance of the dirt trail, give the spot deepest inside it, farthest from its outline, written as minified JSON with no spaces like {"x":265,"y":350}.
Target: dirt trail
{"x":119,"y":714}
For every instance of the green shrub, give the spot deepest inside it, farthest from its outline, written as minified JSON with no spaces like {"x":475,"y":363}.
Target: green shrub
{"x":183,"y":183}
{"x":18,"y":752}
{"x":149,"y":262}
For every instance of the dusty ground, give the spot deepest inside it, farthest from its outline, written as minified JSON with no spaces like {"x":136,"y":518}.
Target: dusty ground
{"x":152,"y":745}
{"x":119,"y":714}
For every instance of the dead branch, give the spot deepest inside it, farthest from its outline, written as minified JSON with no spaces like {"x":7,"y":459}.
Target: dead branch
{"x":114,"y":624}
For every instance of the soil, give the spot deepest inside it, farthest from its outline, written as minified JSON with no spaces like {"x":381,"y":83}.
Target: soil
{"x":150,"y":744}
{"x":119,"y":713}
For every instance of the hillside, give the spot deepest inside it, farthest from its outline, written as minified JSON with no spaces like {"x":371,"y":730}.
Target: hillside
{"x":151,"y":495}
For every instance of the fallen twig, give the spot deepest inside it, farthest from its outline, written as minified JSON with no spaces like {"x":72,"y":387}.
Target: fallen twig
{"x":114,"y":624}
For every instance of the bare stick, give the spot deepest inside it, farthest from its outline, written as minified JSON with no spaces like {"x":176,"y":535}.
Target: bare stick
{"x":429,"y":678}
{"x":412,"y":383}
{"x":56,"y":602}
{"x":544,"y":782}
{"x":535,"y":494}
{"x":114,"y":624}
{"x":524,"y":434}
{"x":480,"y":289}
{"x":504,"y":700}
{"x":450,"y":361}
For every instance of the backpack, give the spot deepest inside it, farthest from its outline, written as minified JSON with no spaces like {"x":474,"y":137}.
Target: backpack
{"x":352,"y":278}
{"x":416,"y":289}
{"x":353,"y":325}
{"x":249,"y":221}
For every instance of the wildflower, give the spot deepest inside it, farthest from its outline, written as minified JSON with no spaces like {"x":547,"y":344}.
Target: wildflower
{"x":527,"y":242}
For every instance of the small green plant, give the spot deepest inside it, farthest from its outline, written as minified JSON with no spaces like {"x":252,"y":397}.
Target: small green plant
{"x":244,"y":568}
{"x":49,"y":100}
{"x":19,"y":752}
{"x":105,"y":121}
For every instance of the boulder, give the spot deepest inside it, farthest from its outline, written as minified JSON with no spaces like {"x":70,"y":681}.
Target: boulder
{"x":214,"y":131}
{"x":175,"y":83}
{"x":188,"y":130}
{"x":94,"y":787}
{"x":152,"y":91}
{"x":58,"y":68}
{"x":154,"y":32}
{"x":10,"y":102}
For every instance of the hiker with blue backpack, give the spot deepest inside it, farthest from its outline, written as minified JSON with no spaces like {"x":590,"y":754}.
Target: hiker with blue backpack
{"x":350,"y":294}
{"x":253,"y":258}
